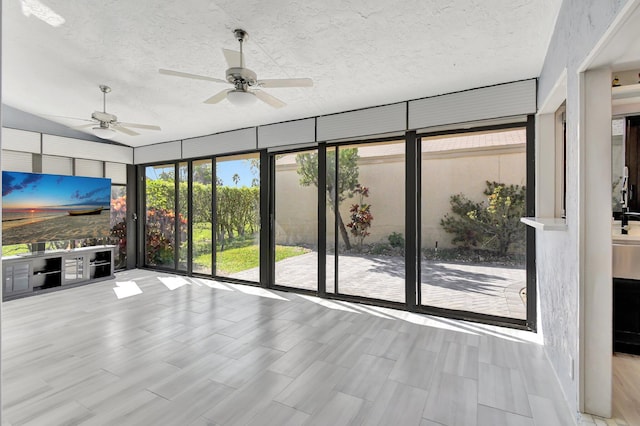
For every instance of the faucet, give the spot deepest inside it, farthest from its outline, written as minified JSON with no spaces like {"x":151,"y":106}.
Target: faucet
{"x":624,"y":192}
{"x":626,"y":196}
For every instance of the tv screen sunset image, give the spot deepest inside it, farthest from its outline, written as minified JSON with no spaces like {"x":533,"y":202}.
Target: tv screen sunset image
{"x":43,"y":207}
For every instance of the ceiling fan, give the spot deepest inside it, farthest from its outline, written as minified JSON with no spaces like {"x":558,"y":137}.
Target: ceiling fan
{"x":108,"y":124}
{"x":246,"y":86}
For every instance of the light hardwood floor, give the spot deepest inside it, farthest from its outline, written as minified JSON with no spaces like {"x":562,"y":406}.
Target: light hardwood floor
{"x":626,"y":388}
{"x":208,"y":353}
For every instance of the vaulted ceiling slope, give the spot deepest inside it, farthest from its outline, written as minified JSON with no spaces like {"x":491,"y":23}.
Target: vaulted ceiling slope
{"x":359,"y":53}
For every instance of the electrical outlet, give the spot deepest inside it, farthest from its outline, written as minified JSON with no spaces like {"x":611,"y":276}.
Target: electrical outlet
{"x":571,"y":367}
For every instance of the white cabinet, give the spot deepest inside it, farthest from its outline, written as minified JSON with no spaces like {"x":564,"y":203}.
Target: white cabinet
{"x":28,"y":274}
{"x":16,"y":278}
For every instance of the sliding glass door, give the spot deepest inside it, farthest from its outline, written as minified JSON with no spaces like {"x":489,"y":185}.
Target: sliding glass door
{"x":224,"y":236}
{"x":294,"y":248}
{"x":182,"y":216}
{"x":365,"y":220}
{"x":202,"y":219}
{"x":237,"y":223}
{"x":473,"y":245}
{"x":336,"y":221}
{"x":160,"y":216}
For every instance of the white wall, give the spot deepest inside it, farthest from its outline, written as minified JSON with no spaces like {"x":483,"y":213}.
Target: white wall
{"x":560,"y":262}
{"x":596,"y":258}
{"x":62,"y":155}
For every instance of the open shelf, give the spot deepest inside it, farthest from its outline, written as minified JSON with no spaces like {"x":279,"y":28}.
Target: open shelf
{"x":47,"y":272}
{"x":100,"y":264}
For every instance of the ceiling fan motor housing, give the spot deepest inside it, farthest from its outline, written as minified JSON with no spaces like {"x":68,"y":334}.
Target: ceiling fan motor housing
{"x":104,"y":117}
{"x":242,"y":75}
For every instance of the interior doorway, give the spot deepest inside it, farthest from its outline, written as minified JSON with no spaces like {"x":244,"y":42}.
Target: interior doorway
{"x":626,"y":302}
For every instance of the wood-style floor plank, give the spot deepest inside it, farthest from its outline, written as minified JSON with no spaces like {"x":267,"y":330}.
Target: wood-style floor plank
{"x":626,"y":388}
{"x":211,"y":353}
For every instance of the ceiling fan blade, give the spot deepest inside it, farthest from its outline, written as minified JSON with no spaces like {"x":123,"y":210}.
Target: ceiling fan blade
{"x":192,"y":76}
{"x":217,"y":97}
{"x":140,"y":126}
{"x":233,"y":58}
{"x":68,"y":118}
{"x":84,"y":126}
{"x":286,"y":82}
{"x":269,"y":99}
{"x":124,"y":130}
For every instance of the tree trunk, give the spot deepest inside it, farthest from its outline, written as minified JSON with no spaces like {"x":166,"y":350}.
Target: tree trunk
{"x":342,"y":228}
{"x":221,"y":240}
{"x":343,"y":232}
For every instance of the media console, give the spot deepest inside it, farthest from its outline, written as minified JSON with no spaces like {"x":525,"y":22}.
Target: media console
{"x":35,"y":272}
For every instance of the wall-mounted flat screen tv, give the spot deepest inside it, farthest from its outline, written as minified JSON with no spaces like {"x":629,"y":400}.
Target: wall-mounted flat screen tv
{"x":39,"y":207}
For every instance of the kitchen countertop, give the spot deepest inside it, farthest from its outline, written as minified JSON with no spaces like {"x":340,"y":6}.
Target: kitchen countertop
{"x":633,"y":237}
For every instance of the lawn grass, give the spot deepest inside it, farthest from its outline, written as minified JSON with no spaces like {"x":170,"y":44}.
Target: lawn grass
{"x":239,"y":259}
{"x":14,"y":249}
{"x":240,"y":253}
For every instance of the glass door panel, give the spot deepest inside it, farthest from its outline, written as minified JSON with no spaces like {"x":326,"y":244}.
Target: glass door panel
{"x":118,"y":222}
{"x":369,"y":222}
{"x":183,"y":215}
{"x":238,"y":217}
{"x":473,"y":243}
{"x":331,"y":229}
{"x":160,"y":217}
{"x":202,"y":229}
{"x":295,"y":225}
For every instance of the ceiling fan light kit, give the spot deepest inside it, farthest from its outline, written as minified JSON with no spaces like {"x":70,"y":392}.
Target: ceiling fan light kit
{"x":103,"y":132}
{"x":241,"y":97}
{"x":243,"y":80}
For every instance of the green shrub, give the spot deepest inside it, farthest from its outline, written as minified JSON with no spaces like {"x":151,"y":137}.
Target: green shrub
{"x":360,"y":215}
{"x":237,"y":212}
{"x":381,"y":248}
{"x":492,"y":225}
{"x":396,"y":240}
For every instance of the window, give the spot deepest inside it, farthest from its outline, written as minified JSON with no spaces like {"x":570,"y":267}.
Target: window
{"x":561,"y":161}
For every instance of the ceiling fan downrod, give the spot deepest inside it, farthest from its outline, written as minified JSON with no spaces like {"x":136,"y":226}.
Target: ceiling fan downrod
{"x":241,"y":35}
{"x":104,"y":89}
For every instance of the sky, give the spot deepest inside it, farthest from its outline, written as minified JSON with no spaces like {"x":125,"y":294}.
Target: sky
{"x":224,"y":169}
{"x":38,"y":191}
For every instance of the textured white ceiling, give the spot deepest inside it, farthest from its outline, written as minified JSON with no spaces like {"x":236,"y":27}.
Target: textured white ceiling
{"x":358,"y":52}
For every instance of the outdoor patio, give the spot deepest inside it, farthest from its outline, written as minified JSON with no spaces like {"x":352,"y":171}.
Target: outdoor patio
{"x":484,"y":289}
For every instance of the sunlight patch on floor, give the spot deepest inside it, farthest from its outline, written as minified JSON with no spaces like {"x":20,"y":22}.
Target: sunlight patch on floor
{"x":328,"y":304}
{"x":173,"y":283}
{"x":126,"y":289}
{"x":371,"y":310}
{"x":257,"y":291}
{"x":211,"y":284}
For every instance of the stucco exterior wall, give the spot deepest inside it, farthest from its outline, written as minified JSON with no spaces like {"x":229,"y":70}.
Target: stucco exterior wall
{"x":296,"y":221}
{"x":442,"y":176}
